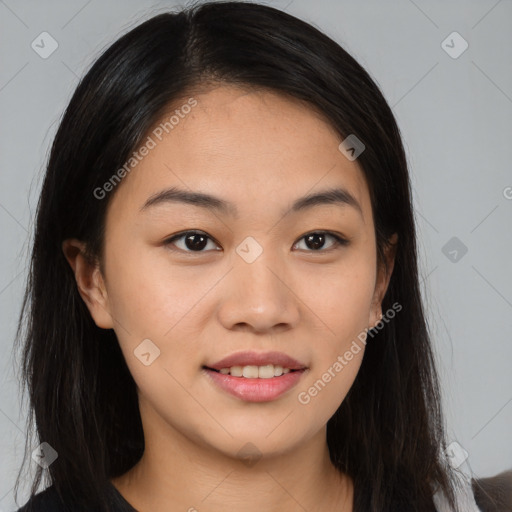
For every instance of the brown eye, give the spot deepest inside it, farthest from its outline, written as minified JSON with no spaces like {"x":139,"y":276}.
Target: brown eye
{"x":197,"y":241}
{"x":193,"y":241}
{"x":316,"y":241}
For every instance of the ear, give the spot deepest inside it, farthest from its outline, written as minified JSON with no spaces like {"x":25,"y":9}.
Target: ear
{"x":384,"y":271}
{"x":90,"y":282}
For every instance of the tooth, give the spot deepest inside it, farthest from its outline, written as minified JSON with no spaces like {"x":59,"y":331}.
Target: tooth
{"x":266,"y":372}
{"x":254,"y":372}
{"x":236,"y":371}
{"x":278,"y":370}
{"x":249,"y":372}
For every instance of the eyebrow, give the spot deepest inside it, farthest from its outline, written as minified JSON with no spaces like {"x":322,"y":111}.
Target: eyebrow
{"x":338,"y":196}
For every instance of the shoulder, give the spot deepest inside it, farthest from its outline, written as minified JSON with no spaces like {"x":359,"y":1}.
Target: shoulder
{"x":49,"y":501}
{"x":490,"y":494}
{"x":494,"y":494}
{"x":44,"y":501}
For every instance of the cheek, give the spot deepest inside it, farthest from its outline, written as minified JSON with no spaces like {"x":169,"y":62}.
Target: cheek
{"x":336,"y":365}
{"x":149,"y":295}
{"x":152,"y":299}
{"x":166,"y":399}
{"x":340,"y":298}
{"x":333,"y":373}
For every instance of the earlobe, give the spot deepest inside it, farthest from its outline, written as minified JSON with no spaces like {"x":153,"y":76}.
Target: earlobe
{"x":89,"y":281}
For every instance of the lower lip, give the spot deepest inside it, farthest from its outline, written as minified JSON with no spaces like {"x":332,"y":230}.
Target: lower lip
{"x":255,"y":390}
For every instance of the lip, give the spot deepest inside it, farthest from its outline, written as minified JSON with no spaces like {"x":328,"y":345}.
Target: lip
{"x":250,"y":358}
{"x":255,"y":390}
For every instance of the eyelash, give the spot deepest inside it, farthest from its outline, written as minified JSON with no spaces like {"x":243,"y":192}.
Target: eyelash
{"x":338,"y":241}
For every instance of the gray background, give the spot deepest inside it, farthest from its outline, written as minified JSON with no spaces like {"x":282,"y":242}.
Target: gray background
{"x":456,"y":119}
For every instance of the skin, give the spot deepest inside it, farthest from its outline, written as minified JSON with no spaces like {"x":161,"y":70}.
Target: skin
{"x":260,"y":151}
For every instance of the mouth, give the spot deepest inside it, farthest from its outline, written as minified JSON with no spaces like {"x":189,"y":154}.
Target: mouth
{"x":255,"y":376}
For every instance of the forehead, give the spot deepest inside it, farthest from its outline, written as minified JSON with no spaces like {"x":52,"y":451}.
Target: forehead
{"x":253,"y":148}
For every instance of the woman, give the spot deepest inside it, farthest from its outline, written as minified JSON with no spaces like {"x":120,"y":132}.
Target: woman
{"x":223,"y":308}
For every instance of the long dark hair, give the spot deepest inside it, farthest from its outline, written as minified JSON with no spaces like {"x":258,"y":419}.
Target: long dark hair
{"x":389,"y":432}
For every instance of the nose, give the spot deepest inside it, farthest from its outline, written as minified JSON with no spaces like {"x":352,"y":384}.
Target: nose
{"x":257,"y":297}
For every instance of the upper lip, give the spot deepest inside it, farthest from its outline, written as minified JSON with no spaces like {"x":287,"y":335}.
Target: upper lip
{"x":249,"y":358}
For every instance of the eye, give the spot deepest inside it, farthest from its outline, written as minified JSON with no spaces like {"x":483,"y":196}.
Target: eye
{"x":193,"y":241}
{"x":197,"y":241}
{"x":316,"y":240}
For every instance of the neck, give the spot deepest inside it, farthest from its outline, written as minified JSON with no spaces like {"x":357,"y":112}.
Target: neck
{"x":176,"y":470}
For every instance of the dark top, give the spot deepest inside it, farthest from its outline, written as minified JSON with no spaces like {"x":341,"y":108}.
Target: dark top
{"x":492,"y":494}
{"x":49,"y":501}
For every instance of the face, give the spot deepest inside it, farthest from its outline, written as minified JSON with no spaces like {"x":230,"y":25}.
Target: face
{"x":257,"y":274}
